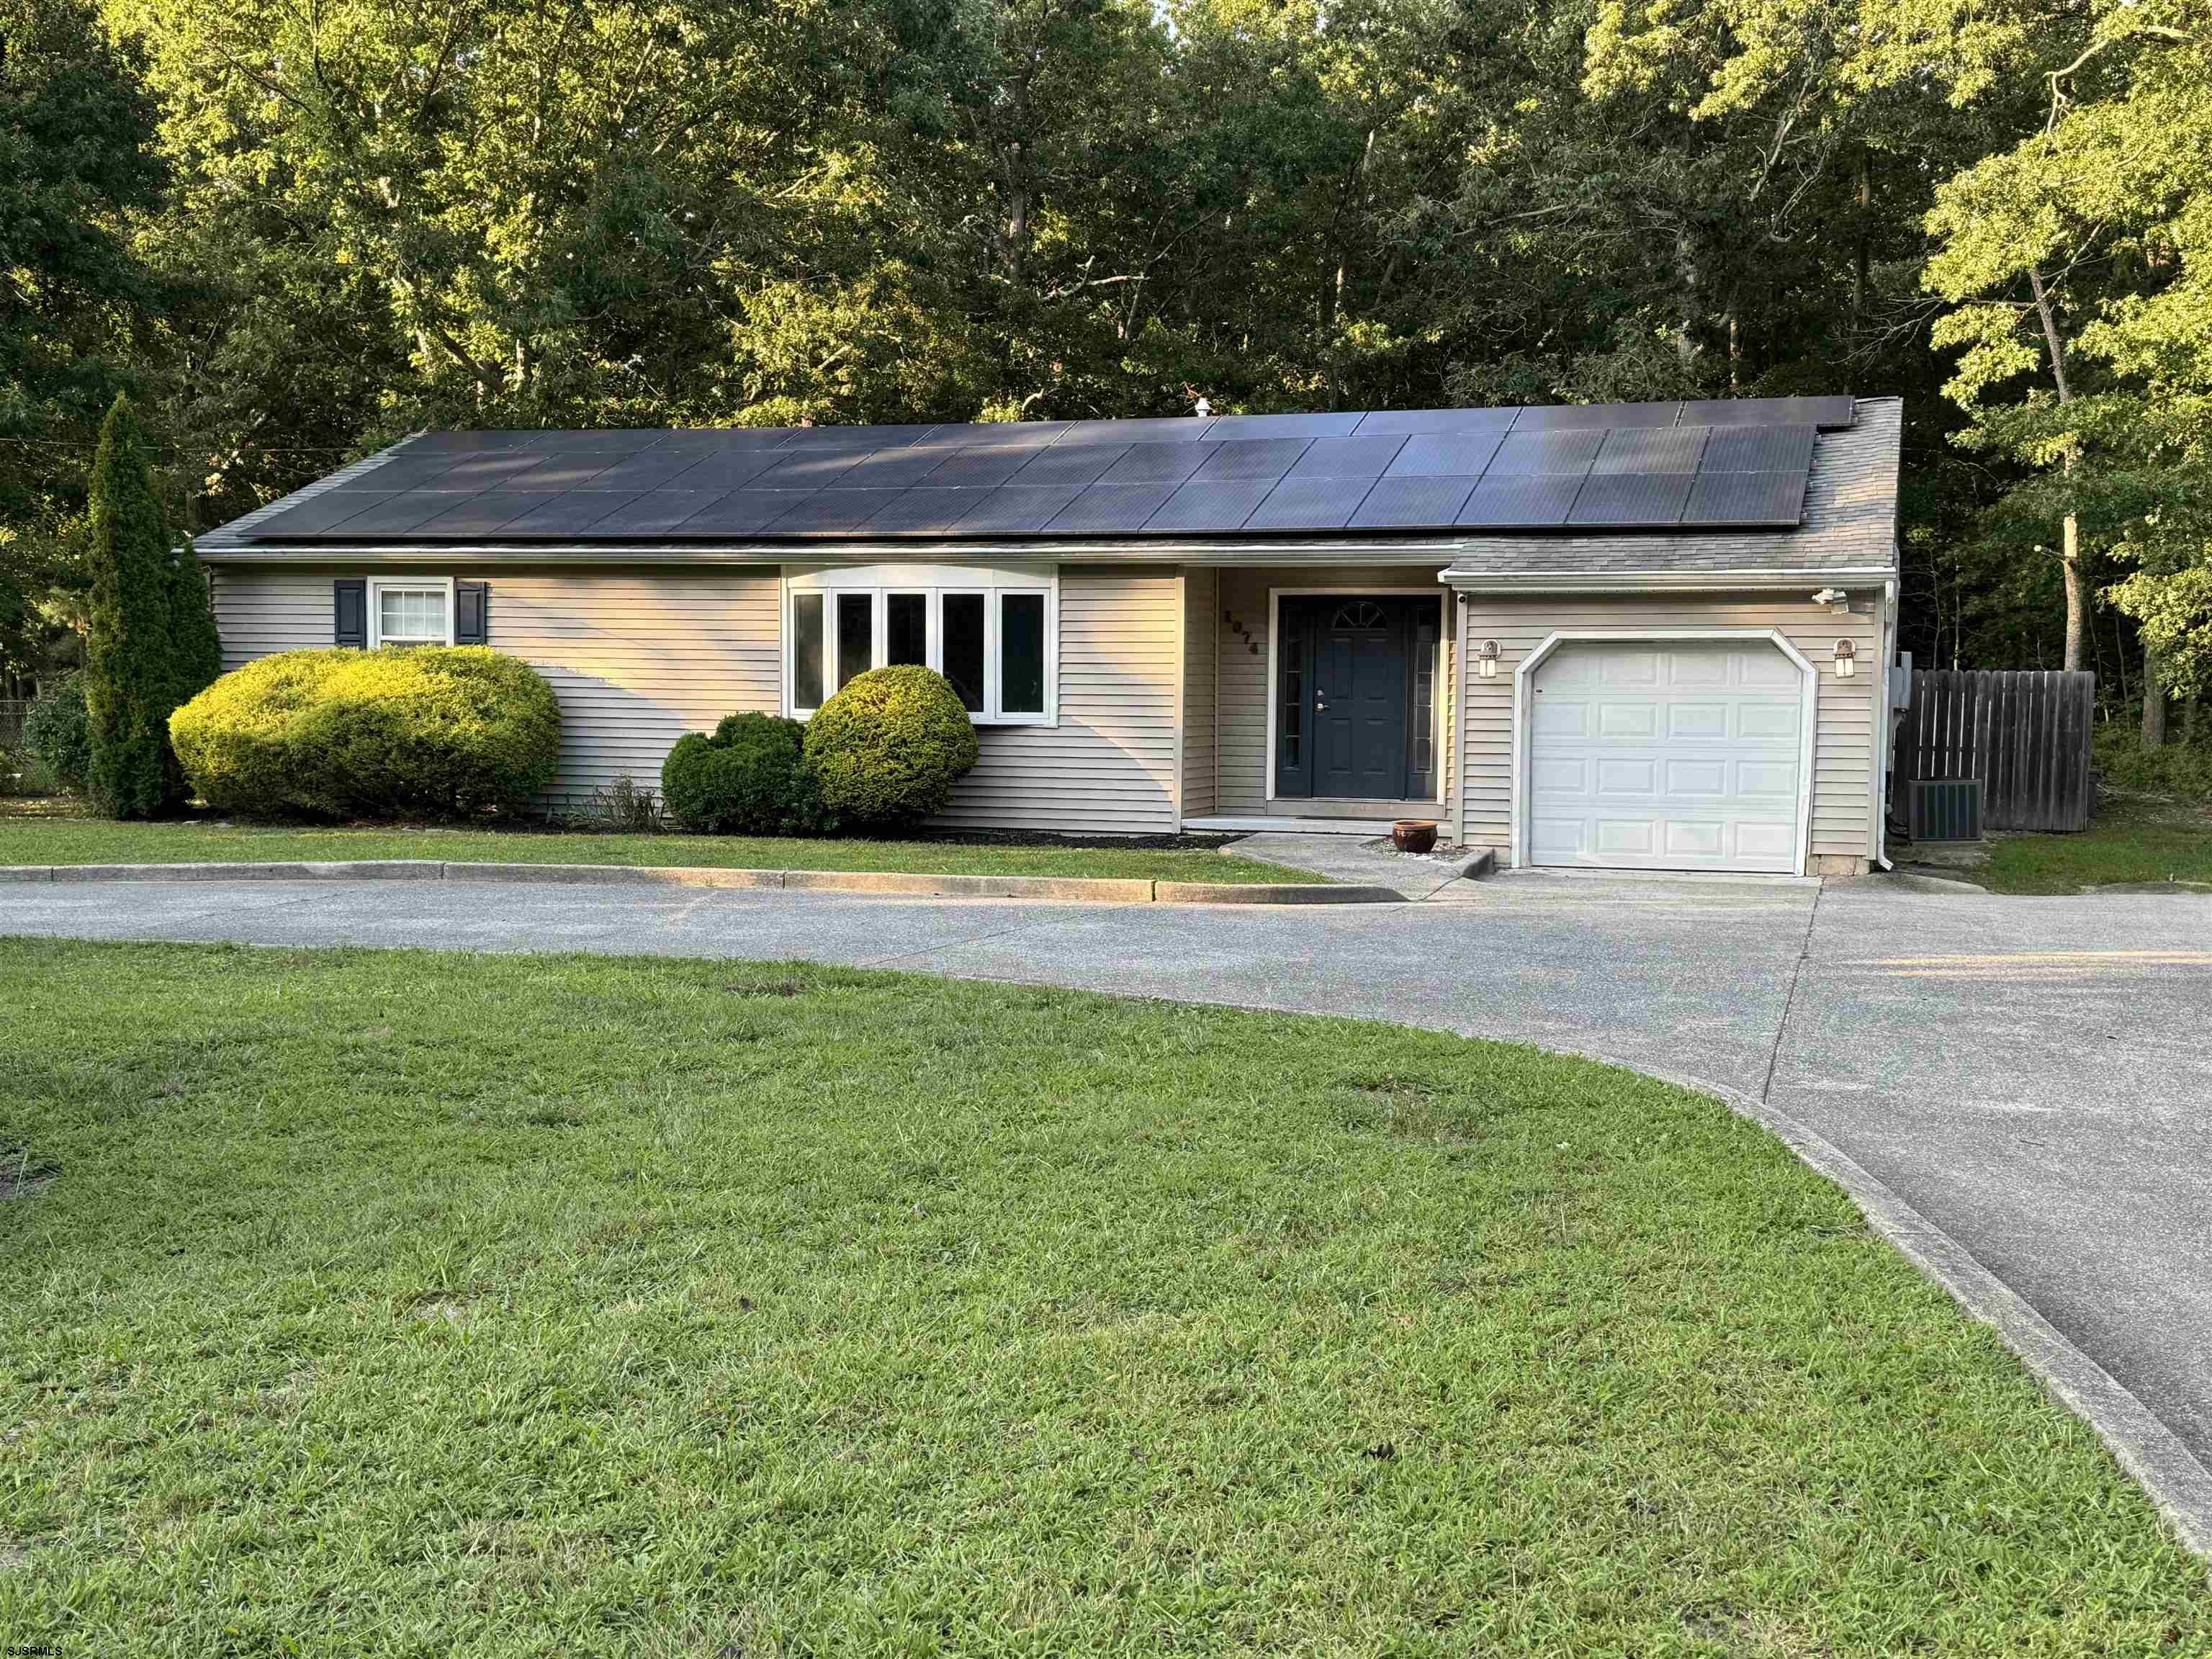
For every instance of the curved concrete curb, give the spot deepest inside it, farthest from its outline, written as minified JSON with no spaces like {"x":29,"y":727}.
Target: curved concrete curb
{"x":1063,"y":890}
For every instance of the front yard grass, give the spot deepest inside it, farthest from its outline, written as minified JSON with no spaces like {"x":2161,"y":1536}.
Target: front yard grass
{"x":56,"y":840}
{"x":432,"y":1304}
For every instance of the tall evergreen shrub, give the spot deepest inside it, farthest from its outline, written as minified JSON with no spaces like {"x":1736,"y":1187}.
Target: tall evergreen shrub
{"x":150,"y":643}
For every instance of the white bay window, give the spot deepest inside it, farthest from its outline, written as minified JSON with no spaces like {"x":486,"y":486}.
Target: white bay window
{"x":994,"y":632}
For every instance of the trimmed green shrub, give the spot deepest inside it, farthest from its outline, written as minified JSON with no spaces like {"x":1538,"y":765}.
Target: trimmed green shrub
{"x":56,"y":735}
{"x":433,"y":730}
{"x":888,"y":749}
{"x":750,"y":778}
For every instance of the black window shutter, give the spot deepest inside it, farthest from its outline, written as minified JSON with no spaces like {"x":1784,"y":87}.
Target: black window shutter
{"x":472,"y":613}
{"x":349,"y":612}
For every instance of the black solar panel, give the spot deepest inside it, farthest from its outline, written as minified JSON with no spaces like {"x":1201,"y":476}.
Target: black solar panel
{"x":561,"y":472}
{"x":1745,"y":498}
{"x":565,"y":515}
{"x":1387,"y":469}
{"x":396,"y":514}
{"x":825,"y":511}
{"x":978,"y":467}
{"x":1758,"y":449}
{"x":1157,"y":464}
{"x":1829,"y":414}
{"x":1107,"y":509}
{"x":489,"y":472}
{"x":1383,"y":423}
{"x":742,"y":511}
{"x":656,"y":510}
{"x":992,"y":434}
{"x":1229,"y":427}
{"x":1348,"y":458}
{"x":1310,"y":504}
{"x":814,"y":470}
{"x":1014,"y":509}
{"x":395,"y":476}
{"x":1631,"y":498}
{"x":606,"y":441}
{"x":461,"y":443}
{"x":1069,"y":464}
{"x":1650,"y":449}
{"x":319,"y":513}
{"x":926,"y":512}
{"x":1548,"y":451}
{"x":1267,"y":457}
{"x":890,"y":469}
{"x":1163,"y":429}
{"x":1445,"y":455}
{"x":1575,"y":417}
{"x":1199,"y":506}
{"x":480,"y":515}
{"x":1521,"y":501}
{"x":725,"y":440}
{"x":1412,"y":503}
{"x":729,"y":471}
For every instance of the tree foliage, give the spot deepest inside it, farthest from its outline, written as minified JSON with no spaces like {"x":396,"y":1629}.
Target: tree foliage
{"x":355,"y":219}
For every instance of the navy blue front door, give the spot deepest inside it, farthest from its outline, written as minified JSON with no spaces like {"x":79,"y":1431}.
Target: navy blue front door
{"x":1344,"y":691}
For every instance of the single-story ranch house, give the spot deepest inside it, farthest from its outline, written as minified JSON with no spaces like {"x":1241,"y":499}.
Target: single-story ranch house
{"x":1650,"y":635}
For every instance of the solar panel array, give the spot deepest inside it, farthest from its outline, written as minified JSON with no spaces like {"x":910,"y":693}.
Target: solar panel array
{"x":1612,"y":466}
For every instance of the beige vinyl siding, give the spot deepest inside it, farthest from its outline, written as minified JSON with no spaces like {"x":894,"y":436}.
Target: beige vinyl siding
{"x":636,"y":659}
{"x":1240,"y":626}
{"x":261,"y":612}
{"x":1109,"y":765}
{"x":1844,"y":753}
{"x":1201,"y":624}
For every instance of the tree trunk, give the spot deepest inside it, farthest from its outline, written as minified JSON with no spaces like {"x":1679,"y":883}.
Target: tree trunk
{"x":1686,"y":271}
{"x":2077,"y":606}
{"x":2154,"y":716}
{"x":2076,"y":598}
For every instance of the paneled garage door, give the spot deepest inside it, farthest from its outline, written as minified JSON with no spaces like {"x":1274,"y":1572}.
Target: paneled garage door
{"x":1658,"y":755}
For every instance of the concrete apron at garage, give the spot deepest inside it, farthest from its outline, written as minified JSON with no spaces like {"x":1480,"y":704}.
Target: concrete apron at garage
{"x":2028,"y":1074}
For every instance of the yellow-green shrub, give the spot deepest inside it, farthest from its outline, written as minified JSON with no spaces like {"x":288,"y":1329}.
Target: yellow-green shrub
{"x":436,"y":730}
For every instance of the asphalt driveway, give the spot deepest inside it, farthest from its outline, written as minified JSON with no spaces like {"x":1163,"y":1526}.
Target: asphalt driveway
{"x":2033,"y":1075}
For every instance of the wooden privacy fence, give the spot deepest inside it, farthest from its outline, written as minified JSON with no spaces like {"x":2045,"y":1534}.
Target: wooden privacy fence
{"x":2025,"y":736}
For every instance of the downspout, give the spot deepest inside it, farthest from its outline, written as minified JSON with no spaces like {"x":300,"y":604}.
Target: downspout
{"x":1886,"y":755}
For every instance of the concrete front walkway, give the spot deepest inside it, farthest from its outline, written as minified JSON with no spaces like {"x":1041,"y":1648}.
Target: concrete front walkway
{"x":2033,"y":1075}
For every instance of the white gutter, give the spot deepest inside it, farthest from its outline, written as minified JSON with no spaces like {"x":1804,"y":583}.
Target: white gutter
{"x":1643,"y":581}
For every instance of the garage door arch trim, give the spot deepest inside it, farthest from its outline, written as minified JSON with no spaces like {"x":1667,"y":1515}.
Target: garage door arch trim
{"x":1523,"y":680}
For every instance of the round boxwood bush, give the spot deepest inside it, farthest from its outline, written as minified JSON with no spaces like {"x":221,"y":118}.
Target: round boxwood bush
{"x":438,"y":731}
{"x":58,"y":735}
{"x":749,"y":778}
{"x":887,"y":750}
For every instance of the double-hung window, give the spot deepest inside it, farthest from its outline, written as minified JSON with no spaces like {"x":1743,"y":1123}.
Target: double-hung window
{"x":994,"y":632}
{"x":411,"y":611}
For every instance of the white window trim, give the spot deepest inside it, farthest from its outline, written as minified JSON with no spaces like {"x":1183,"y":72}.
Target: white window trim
{"x":377,"y":584}
{"x":1437,"y":712}
{"x":1523,"y":711}
{"x":994,"y":582}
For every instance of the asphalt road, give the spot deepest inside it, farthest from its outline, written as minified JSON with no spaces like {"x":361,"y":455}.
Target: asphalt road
{"x":2033,"y":1075}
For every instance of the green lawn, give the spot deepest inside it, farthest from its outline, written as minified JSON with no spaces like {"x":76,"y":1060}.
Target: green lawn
{"x":429,"y":1304}
{"x":2128,"y":841}
{"x":28,"y":839}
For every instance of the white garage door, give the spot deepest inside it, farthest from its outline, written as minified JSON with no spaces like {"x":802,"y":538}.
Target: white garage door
{"x":1664,"y":757}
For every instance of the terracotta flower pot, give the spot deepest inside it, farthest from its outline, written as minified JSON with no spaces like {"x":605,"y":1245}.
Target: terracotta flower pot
{"x":1414,"y":835}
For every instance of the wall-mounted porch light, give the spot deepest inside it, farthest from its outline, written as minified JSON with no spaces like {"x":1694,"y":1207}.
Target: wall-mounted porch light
{"x":1486,"y":659}
{"x":1847,"y":659}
